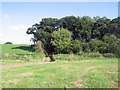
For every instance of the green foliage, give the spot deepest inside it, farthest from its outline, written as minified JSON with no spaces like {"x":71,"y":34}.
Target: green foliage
{"x":115,"y":47}
{"x":53,"y":22}
{"x":78,"y":34}
{"x":38,"y":47}
{"x":69,"y":22}
{"x":109,"y":39}
{"x":86,"y":47}
{"x":92,"y":55}
{"x":97,"y":46}
{"x":113,"y":44}
{"x":63,"y":43}
{"x":109,"y":55}
{"x":61,"y":40}
{"x":76,"y":46}
{"x":8,"y":43}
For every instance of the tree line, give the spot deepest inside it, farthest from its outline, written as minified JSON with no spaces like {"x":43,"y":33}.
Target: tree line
{"x":73,"y":34}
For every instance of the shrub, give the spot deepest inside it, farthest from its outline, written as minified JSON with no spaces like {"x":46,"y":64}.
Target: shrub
{"x":61,"y":40}
{"x":109,"y":55}
{"x":76,"y":46}
{"x":38,"y":46}
{"x":86,"y":47}
{"x":91,"y":55}
{"x":94,"y":44}
{"x":67,"y":57}
{"x":8,"y":43}
{"x":109,"y":39}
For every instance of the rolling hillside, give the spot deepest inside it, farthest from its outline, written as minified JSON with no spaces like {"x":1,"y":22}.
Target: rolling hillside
{"x":16,"y":49}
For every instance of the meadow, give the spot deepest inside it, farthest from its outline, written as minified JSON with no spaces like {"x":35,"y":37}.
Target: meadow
{"x":66,"y":72}
{"x":16,"y":49}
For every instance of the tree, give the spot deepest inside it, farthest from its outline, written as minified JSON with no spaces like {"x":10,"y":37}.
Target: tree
{"x":61,"y":40}
{"x":114,"y":27}
{"x":80,"y":27}
{"x":8,"y":43}
{"x":117,"y":46}
{"x":74,"y":34}
{"x":86,"y":47}
{"x":42,"y":32}
{"x":112,"y":42}
{"x":98,"y":46}
{"x":76,"y":46}
{"x":99,"y":27}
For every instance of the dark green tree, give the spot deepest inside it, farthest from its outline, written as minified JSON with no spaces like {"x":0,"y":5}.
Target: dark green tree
{"x":42,"y":32}
{"x":76,"y":34}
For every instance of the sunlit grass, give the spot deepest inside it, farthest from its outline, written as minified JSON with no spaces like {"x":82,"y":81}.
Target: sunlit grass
{"x":69,"y":74}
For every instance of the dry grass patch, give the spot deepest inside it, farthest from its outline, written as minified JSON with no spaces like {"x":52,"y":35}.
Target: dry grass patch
{"x":92,"y":67}
{"x":24,"y":74}
{"x":13,"y":81}
{"x":78,"y":84}
{"x":17,"y":65}
{"x":114,"y":84}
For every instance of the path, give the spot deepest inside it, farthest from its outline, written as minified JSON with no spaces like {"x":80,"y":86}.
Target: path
{"x":17,"y":65}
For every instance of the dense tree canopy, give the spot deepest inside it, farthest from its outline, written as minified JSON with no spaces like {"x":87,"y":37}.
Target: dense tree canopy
{"x":8,"y":43}
{"x":77,"y":34}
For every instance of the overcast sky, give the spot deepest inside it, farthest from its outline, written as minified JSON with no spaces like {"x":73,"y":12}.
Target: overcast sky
{"x":18,"y":16}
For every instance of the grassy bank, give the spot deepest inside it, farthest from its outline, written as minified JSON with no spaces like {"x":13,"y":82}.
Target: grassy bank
{"x":16,"y":49}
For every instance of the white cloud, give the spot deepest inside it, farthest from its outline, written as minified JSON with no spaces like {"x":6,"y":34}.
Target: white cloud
{"x":18,"y":27}
{"x":15,"y":37}
{"x":15,"y":34}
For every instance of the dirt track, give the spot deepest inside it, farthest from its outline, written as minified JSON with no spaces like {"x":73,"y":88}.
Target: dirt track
{"x":17,"y":65}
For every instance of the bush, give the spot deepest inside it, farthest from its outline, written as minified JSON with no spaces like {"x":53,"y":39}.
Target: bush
{"x":67,"y":57}
{"x":8,"y":43}
{"x":109,"y":55}
{"x":76,"y":46}
{"x":94,"y":45}
{"x":91,"y":55}
{"x":109,"y":39}
{"x":86,"y":47}
{"x":61,"y":40}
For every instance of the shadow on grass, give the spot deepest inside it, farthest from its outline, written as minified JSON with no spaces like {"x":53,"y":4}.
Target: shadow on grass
{"x":26,"y":48}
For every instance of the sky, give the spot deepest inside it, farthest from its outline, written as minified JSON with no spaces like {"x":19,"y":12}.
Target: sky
{"x":18,"y":16}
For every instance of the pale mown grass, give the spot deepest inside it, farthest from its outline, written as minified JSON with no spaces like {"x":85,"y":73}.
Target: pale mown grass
{"x":60,"y":74}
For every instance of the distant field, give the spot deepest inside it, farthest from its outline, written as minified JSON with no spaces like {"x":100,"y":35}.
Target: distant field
{"x":69,"y":74}
{"x":15,"y":49}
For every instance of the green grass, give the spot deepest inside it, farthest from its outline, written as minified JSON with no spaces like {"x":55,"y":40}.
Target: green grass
{"x":69,"y":74}
{"x":69,"y":57}
{"x":15,"y":49}
{"x":70,"y":71}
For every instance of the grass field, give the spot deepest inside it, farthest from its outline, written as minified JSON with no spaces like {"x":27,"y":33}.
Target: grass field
{"x":69,"y":74}
{"x":15,"y":49}
{"x":68,"y":71}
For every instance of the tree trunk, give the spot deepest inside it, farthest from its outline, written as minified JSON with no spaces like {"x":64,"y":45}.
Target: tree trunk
{"x":51,"y":58}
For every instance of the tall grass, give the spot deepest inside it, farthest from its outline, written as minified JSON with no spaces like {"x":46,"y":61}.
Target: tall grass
{"x":83,"y":56}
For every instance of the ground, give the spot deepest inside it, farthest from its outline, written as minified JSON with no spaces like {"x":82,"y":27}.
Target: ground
{"x":69,"y":74}
{"x":66,"y":72}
